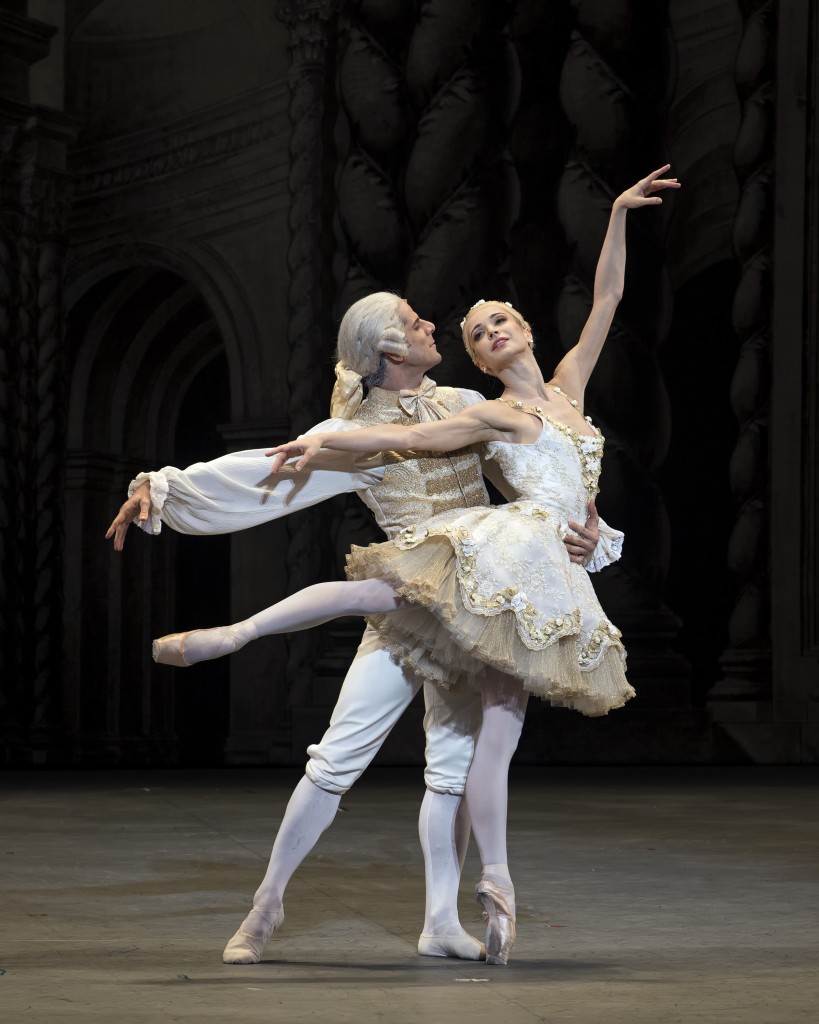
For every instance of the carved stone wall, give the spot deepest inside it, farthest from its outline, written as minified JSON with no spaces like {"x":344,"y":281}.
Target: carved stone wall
{"x":447,"y":149}
{"x":766,"y":707}
{"x":701,"y":128}
{"x":178,"y":264}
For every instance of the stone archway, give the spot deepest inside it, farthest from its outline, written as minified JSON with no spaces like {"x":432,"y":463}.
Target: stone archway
{"x":144,"y":357}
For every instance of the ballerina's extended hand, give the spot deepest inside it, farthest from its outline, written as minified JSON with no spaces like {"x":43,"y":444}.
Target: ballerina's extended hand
{"x":307,"y":447}
{"x":640,"y":194}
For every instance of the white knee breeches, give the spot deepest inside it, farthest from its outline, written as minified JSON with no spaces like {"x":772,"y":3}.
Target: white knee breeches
{"x":373,"y":696}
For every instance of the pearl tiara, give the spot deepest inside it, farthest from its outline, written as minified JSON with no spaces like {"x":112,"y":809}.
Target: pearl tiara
{"x":480,"y":302}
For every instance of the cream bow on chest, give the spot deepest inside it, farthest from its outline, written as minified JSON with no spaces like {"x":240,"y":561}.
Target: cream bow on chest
{"x":418,"y":402}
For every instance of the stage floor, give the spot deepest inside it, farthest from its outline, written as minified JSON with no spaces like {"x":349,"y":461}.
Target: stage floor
{"x":644,"y":895}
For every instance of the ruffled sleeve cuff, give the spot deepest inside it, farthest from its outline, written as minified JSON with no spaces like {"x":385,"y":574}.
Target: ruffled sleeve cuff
{"x":609,"y":548}
{"x":159,"y":492}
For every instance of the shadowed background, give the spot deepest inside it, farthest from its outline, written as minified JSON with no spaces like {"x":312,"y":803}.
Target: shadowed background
{"x":190,"y":196}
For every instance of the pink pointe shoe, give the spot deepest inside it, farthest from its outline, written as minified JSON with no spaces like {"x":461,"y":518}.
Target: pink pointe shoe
{"x":170,"y":649}
{"x":497,"y":899}
{"x":185,"y":649}
{"x":247,"y":945}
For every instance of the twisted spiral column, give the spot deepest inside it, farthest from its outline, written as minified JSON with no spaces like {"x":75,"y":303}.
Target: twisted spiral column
{"x":428,"y":191}
{"x":49,"y":454}
{"x":377,"y":119}
{"x":461,"y":185}
{"x":32,"y":256}
{"x":26,"y":565}
{"x":307,"y":21}
{"x":747,"y":659}
{"x":612,"y":87}
{"x":9,"y":510}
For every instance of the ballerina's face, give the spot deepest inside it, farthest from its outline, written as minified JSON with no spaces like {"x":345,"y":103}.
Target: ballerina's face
{"x":496,"y":335}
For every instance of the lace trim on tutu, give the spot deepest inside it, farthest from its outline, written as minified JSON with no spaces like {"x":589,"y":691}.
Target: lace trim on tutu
{"x":607,"y":686}
{"x":435,"y":636}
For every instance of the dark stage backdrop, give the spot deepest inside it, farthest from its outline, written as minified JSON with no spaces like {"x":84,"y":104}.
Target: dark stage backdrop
{"x":191,"y":193}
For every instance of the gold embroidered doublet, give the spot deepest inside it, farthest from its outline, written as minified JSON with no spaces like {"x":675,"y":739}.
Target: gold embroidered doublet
{"x":419,"y":485}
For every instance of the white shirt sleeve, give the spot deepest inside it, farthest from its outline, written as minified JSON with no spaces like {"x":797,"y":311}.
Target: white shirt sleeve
{"x":608,"y":549}
{"x":237,"y":491}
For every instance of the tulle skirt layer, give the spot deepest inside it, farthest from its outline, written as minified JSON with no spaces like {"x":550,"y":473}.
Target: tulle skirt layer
{"x":493,"y":589}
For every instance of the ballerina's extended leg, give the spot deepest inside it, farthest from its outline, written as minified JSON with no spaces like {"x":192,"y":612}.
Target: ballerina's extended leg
{"x":309,"y":607}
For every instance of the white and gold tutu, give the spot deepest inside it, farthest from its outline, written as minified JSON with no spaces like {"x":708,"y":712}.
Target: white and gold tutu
{"x":494,"y":587}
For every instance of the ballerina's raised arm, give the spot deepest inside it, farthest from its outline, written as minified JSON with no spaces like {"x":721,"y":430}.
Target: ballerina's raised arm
{"x":502,"y":347}
{"x":575,"y":368}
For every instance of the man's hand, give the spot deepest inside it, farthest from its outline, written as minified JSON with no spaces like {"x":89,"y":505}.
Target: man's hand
{"x":582,"y":542}
{"x":137,"y":506}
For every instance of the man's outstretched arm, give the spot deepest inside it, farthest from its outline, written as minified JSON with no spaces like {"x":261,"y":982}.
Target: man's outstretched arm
{"x":235,"y":492}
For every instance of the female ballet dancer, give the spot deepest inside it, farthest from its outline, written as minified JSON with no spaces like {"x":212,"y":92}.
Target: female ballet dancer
{"x":486,"y":593}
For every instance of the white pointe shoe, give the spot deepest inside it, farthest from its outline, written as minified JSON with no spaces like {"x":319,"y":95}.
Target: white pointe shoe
{"x":462,"y":946}
{"x":247,"y":945}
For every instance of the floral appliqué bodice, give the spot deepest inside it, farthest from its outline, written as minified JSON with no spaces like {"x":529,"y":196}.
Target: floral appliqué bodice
{"x":560,"y":471}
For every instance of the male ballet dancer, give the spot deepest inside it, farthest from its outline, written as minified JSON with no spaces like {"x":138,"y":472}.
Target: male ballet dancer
{"x":385,"y":347}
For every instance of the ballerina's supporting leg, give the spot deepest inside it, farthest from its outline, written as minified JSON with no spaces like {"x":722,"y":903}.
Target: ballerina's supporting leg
{"x":309,"y":607}
{"x":487,"y":789}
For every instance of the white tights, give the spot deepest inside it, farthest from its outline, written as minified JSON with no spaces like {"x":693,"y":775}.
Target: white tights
{"x":309,"y":812}
{"x":487,"y":786}
{"x":443,"y":827}
{"x":307,"y":608}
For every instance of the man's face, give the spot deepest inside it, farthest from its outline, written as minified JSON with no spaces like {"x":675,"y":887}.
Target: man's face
{"x":423,"y":352}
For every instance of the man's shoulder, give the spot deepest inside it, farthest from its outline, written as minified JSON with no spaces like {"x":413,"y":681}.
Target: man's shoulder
{"x":458,"y":397}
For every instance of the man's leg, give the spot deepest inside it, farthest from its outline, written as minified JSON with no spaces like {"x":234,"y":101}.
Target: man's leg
{"x":309,"y":812}
{"x":374,"y":695}
{"x":451,"y":723}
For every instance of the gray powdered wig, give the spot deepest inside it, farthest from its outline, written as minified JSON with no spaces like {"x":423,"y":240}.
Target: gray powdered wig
{"x":369,"y":328}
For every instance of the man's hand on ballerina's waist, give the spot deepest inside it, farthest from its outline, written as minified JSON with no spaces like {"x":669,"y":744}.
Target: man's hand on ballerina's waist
{"x":581,"y":543}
